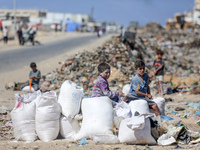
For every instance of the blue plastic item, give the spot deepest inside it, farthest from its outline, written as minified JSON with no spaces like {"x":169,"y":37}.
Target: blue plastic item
{"x":166,"y":117}
{"x":197,"y":114}
{"x":178,"y":147}
{"x":82,"y":141}
{"x":194,"y":105}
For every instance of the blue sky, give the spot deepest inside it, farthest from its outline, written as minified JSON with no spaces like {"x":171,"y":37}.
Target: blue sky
{"x":120,"y":11}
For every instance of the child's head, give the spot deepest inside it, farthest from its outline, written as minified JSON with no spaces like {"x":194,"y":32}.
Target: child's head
{"x":159,"y":53}
{"x":140,"y":67}
{"x":104,"y":70}
{"x":33,"y":66}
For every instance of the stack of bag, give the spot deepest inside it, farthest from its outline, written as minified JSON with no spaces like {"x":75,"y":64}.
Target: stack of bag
{"x":45,"y":116}
{"x":70,"y":100}
{"x":36,"y":114}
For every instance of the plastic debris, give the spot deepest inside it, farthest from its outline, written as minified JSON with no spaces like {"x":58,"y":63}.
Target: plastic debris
{"x":82,"y":142}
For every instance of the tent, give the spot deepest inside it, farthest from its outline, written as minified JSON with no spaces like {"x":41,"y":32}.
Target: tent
{"x":71,"y":26}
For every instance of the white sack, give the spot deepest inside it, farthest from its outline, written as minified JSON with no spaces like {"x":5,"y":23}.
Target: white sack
{"x":47,"y":117}
{"x":68,"y":127}
{"x":97,"y":117}
{"x":126,"y":89}
{"x":140,"y":106}
{"x":122,"y":109}
{"x":137,"y":136}
{"x":27,"y":89}
{"x":70,"y":98}
{"x":23,"y":116}
{"x":161,"y":105}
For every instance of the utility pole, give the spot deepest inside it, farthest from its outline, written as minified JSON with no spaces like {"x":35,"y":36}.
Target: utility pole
{"x":15,"y":17}
{"x":91,"y":13}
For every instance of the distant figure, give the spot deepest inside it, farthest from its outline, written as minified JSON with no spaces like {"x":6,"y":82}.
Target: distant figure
{"x":98,"y":35}
{"x":56,"y":27}
{"x":20,"y":36}
{"x":159,"y":70}
{"x":5,"y":34}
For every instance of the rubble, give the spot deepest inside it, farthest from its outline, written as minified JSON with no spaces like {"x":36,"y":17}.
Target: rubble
{"x":180,"y":48}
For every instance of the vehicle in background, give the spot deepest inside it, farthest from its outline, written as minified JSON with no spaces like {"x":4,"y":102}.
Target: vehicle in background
{"x":112,"y":27}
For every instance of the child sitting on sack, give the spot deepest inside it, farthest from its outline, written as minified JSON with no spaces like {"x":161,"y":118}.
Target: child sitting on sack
{"x":140,"y":87}
{"x":101,"y":87}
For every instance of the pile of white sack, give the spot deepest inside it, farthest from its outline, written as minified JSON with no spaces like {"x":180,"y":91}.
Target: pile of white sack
{"x":75,"y":117}
{"x":36,"y":114}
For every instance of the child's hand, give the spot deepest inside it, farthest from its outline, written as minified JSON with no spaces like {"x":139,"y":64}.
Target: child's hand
{"x":124,"y":99}
{"x":154,"y":72}
{"x":121,"y":94}
{"x":32,"y":77}
{"x":149,"y":96}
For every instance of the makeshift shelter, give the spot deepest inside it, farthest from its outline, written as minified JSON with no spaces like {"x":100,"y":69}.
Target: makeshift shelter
{"x":71,"y":25}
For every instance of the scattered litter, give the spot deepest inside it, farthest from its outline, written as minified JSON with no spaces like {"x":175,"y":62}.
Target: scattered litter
{"x":82,"y":142}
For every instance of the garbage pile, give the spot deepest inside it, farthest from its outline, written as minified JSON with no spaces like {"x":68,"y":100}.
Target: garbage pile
{"x":181,"y":56}
{"x":82,"y":68}
{"x":181,"y":51}
{"x":6,"y":130}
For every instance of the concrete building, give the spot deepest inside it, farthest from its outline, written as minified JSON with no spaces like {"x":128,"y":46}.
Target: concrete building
{"x":180,"y":21}
{"x":36,"y":16}
{"x":25,"y":15}
{"x":57,"y":17}
{"x":196,"y":12}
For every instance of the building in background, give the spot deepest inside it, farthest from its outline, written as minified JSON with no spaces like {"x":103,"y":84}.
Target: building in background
{"x":187,"y":20}
{"x":196,"y":13}
{"x":47,"y":20}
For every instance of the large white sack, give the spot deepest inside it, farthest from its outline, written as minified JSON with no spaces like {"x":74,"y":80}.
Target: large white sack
{"x":23,"y":116}
{"x":139,"y":136}
{"x":161,"y":105}
{"x":70,"y":98}
{"x":140,"y":106}
{"x":27,"y":89}
{"x":126,"y":89}
{"x":97,"y":117}
{"x":122,"y":109}
{"x":47,"y":117}
{"x":68,"y":127}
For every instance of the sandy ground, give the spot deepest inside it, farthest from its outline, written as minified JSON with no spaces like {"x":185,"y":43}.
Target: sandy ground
{"x":7,"y":99}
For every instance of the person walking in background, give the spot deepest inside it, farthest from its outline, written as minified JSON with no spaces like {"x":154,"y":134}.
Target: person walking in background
{"x":5,"y":34}
{"x":20,"y":36}
{"x":159,"y":70}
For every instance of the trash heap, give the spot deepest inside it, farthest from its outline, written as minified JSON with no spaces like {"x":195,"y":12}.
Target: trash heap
{"x":6,"y":130}
{"x":181,"y":56}
{"x":82,"y":68}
